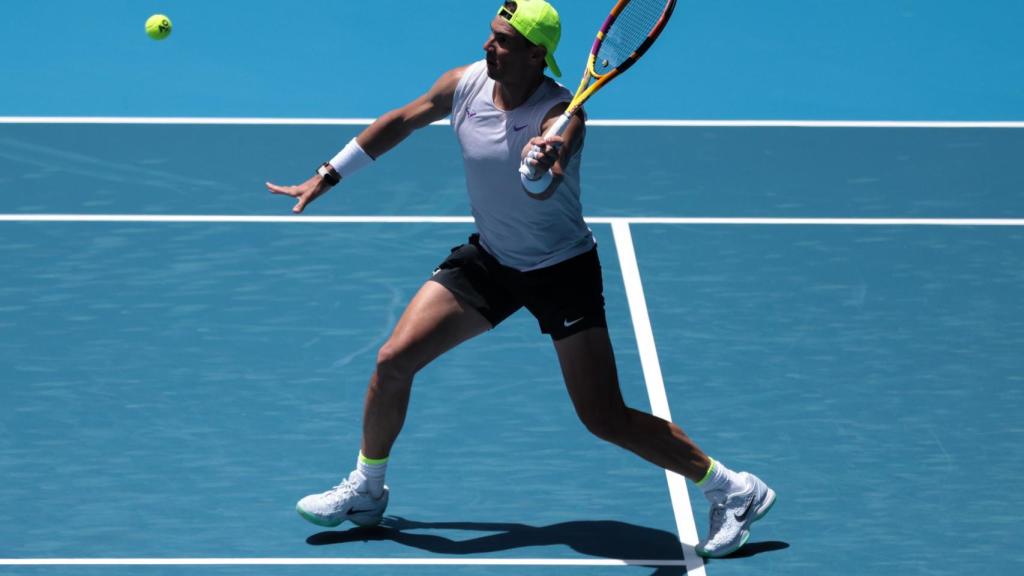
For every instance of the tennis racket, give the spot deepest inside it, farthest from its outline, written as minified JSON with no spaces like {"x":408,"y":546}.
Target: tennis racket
{"x":627,"y":33}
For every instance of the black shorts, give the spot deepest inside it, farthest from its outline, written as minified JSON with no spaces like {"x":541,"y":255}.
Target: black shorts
{"x":565,"y":298}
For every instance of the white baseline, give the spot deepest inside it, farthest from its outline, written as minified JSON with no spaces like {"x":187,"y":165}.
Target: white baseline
{"x":295,"y":219}
{"x":333,"y":562}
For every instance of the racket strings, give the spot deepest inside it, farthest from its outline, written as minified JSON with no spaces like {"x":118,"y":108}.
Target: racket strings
{"x":629,"y":30}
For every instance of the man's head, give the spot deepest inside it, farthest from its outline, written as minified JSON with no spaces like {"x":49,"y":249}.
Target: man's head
{"x":524,"y":36}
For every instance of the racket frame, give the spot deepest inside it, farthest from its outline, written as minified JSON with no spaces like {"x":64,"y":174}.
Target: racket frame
{"x":587,"y":89}
{"x":535,"y":185}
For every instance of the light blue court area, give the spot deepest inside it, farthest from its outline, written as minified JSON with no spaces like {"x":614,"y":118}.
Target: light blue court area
{"x":171,"y":390}
{"x":872,"y":373}
{"x":181,"y":359}
{"x":168,"y":390}
{"x":695,"y":171}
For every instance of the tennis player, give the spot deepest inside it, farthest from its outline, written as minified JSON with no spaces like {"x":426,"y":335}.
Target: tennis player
{"x":528,"y":252}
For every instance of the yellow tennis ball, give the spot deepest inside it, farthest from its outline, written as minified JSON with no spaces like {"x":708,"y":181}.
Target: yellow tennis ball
{"x":158,"y":27}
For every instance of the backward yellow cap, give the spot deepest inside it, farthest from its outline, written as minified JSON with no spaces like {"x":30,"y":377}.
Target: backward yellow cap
{"x":539,"y":23}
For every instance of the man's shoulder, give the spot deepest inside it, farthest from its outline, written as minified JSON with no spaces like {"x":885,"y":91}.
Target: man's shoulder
{"x":452,"y":78}
{"x":471,"y":70}
{"x":556,"y":89}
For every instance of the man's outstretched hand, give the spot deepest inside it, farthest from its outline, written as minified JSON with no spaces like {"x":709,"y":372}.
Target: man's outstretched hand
{"x":306,"y":192}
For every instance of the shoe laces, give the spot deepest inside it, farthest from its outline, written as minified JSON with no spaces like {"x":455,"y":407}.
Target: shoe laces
{"x":718,"y":508}
{"x":345,"y":489}
{"x":717,"y":516}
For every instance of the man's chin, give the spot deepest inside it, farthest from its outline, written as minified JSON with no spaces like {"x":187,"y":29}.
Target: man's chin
{"x":492,"y":71}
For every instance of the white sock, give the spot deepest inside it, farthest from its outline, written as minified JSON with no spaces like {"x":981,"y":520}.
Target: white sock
{"x":372,"y":474}
{"x":719,"y":478}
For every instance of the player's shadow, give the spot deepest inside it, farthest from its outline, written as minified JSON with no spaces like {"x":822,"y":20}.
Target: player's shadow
{"x":595,"y":538}
{"x":754,"y":548}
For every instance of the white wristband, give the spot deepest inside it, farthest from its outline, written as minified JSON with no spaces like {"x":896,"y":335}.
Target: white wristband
{"x":351,"y":159}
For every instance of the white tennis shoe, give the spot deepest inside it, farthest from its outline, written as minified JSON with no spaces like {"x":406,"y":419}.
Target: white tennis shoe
{"x":346,"y":501}
{"x":732,"y":515}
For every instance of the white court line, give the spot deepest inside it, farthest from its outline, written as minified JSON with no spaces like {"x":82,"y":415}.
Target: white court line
{"x":235,"y":219}
{"x":333,"y":562}
{"x":293,"y":219}
{"x":212,"y":121}
{"x":187,"y":120}
{"x":818,"y":221}
{"x":685,"y":526}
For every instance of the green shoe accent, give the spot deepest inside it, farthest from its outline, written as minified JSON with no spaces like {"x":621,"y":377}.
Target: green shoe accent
{"x":313,"y":519}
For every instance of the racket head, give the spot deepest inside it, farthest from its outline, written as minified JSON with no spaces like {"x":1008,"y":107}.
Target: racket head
{"x":628,"y":32}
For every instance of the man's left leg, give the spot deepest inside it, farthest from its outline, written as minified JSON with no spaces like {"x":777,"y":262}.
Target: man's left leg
{"x":588,"y":366}
{"x":738,"y":499}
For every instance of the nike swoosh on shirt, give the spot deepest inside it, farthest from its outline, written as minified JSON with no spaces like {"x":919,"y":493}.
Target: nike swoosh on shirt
{"x":470,"y":113}
{"x":518,"y":128}
{"x":567,"y":323}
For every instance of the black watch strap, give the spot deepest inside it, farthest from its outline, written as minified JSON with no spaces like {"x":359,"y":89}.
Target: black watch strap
{"x":329,"y":174}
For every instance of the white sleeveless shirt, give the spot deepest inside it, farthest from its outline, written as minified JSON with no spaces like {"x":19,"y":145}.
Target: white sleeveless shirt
{"x":520,"y":231}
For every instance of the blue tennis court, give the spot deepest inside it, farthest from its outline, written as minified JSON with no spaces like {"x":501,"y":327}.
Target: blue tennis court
{"x":174,"y":383}
{"x":833,"y":305}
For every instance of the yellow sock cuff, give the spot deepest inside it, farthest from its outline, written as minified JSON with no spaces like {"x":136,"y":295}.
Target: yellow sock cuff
{"x":372,"y":461}
{"x":707,"y":474}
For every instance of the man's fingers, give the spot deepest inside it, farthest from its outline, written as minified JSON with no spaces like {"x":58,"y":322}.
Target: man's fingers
{"x":304,"y":193}
{"x":541,"y":141}
{"x":305,"y":198}
{"x":286,"y":190}
{"x":546,"y":156}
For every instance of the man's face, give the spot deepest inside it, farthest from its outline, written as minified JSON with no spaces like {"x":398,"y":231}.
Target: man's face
{"x":508,"y":52}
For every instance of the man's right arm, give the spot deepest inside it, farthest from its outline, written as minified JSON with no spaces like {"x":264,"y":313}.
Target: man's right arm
{"x":391,"y":128}
{"x":384,"y":134}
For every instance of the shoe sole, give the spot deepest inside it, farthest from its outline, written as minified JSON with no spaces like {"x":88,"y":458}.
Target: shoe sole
{"x":760,"y":513}
{"x":312,"y":518}
{"x":763,"y":511}
{"x":362,"y":521}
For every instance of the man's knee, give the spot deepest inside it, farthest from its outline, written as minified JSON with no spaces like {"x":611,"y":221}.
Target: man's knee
{"x":394,"y":363}
{"x":608,"y":425}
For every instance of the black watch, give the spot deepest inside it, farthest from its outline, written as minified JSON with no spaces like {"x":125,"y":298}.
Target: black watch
{"x":329,"y":174}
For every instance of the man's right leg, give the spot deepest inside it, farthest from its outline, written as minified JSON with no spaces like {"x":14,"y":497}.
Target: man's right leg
{"x":434,"y":322}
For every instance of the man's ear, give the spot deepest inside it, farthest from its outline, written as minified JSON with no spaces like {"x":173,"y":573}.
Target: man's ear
{"x":537,"y":55}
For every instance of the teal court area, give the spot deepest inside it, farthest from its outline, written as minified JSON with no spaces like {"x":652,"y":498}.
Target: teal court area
{"x":811,"y":225}
{"x":181,"y":360}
